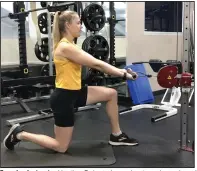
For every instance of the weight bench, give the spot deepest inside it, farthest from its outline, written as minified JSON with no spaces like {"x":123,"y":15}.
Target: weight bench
{"x":45,"y":114}
{"x":39,"y":87}
{"x":17,"y":95}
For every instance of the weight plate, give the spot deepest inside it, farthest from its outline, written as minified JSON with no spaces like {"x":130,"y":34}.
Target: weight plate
{"x":94,"y":77}
{"x":97,"y":46}
{"x":41,"y":51}
{"x":43,"y":4}
{"x":93,"y":17}
{"x":42,"y":22}
{"x":45,"y":70}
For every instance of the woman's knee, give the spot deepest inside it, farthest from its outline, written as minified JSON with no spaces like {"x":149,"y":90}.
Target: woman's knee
{"x":63,"y":137}
{"x":112,"y":93}
{"x":62,"y":148}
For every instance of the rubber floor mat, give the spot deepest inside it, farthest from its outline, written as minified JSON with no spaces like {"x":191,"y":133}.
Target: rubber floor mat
{"x":80,"y":153}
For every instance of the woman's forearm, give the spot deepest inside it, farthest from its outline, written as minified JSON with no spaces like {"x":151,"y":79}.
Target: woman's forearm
{"x":109,"y":69}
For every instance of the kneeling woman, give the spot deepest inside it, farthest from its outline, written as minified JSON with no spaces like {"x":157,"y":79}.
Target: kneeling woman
{"x":68,"y":93}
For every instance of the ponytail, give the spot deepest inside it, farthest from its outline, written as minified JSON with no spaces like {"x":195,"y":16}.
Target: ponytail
{"x":56,"y":30}
{"x":59,"y":25}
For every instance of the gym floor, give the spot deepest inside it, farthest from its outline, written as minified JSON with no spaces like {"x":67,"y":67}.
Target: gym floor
{"x":158,"y":148}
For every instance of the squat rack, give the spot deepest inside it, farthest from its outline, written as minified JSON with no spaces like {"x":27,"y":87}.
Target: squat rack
{"x":46,"y":113}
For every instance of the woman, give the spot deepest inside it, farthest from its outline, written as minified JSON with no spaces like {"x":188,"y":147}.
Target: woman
{"x":68,"y":59}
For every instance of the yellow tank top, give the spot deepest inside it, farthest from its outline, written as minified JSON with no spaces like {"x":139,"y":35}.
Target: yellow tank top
{"x":68,"y":73}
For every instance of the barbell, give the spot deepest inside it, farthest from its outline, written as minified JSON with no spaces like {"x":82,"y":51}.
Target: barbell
{"x":50,"y":8}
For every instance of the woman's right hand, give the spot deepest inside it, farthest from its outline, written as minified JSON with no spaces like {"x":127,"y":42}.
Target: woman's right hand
{"x":134,"y":74}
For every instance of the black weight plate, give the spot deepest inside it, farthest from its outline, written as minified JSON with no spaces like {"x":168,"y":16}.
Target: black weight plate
{"x":92,"y":77}
{"x":43,"y":4}
{"x":94,"y":20}
{"x":42,"y":51}
{"x":42,"y":22}
{"x":97,"y":46}
{"x":45,"y":70}
{"x":85,"y":43}
{"x":86,"y":46}
{"x":94,"y":17}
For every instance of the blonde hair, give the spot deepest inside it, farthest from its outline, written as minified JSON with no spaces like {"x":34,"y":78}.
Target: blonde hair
{"x":59,"y":25}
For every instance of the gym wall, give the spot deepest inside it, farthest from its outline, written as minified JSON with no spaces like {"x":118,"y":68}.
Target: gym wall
{"x":142,"y":46}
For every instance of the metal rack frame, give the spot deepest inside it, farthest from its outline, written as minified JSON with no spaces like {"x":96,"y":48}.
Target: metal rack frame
{"x":46,"y":113}
{"x":185,"y":90}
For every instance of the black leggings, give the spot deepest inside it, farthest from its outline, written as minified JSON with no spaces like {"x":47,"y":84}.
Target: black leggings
{"x":63,"y":103}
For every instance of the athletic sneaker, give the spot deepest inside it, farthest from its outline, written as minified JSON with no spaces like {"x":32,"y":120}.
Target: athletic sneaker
{"x":11,"y":140}
{"x":122,"y":139}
